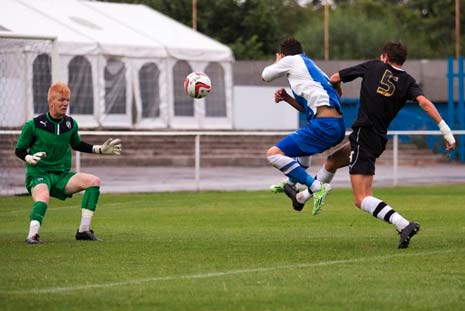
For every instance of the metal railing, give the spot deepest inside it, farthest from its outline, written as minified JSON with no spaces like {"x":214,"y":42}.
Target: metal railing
{"x":199,"y":134}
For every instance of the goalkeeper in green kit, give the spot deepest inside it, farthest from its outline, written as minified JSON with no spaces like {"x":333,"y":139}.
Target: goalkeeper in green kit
{"x":44,"y":144}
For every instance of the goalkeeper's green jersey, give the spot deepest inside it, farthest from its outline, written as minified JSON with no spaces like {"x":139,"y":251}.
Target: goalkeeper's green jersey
{"x":53,"y":137}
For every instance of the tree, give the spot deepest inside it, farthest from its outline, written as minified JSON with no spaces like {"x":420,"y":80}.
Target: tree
{"x":254,"y":28}
{"x":433,"y":29}
{"x":359,"y":28}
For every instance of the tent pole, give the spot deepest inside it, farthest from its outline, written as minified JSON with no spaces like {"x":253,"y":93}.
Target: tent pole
{"x":194,"y":14}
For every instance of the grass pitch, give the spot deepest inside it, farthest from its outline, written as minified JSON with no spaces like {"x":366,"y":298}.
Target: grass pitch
{"x":236,"y":251}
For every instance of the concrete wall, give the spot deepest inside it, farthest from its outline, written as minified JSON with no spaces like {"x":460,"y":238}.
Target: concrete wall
{"x":254,"y":109}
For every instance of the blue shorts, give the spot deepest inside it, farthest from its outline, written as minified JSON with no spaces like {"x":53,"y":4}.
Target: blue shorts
{"x":318,"y":136}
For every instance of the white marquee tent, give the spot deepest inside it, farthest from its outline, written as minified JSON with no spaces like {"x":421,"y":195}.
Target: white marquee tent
{"x":125,"y":65}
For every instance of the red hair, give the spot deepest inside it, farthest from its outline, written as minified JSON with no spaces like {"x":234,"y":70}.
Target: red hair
{"x":60,"y":89}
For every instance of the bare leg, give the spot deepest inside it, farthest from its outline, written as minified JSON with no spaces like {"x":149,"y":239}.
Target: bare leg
{"x":338,"y":158}
{"x":361,"y":187}
{"x":81,"y":181}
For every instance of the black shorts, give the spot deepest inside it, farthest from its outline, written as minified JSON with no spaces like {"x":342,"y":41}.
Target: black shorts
{"x":366,"y":146}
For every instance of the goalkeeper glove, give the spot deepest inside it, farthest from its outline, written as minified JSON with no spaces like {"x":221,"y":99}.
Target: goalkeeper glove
{"x":110,"y":146}
{"x":35,"y":158}
{"x":446,"y":132}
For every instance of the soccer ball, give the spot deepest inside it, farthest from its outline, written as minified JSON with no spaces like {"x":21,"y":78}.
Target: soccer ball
{"x":197,"y":85}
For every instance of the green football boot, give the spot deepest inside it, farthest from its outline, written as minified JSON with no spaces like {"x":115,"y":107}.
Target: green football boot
{"x":278,"y":188}
{"x":319,"y":198}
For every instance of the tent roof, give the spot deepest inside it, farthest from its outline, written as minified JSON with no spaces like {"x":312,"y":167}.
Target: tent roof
{"x":180,"y":40}
{"x":17,"y":18}
{"x":117,"y":29}
{"x":112,"y":37}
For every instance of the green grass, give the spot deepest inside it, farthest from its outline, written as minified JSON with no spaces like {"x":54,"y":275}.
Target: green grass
{"x":236,"y":251}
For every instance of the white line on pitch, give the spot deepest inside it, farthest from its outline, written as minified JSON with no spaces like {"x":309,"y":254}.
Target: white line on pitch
{"x":51,"y":290}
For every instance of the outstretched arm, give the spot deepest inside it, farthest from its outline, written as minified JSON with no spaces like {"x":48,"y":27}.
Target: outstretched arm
{"x":110,"y":146}
{"x":431,"y":110}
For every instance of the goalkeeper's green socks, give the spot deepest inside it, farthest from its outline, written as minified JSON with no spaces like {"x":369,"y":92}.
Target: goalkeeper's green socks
{"x":88,"y":206}
{"x":90,"y":199}
{"x":37,"y":215}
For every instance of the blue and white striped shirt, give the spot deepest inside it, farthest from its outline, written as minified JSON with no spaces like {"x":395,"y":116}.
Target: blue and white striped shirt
{"x":309,"y":84}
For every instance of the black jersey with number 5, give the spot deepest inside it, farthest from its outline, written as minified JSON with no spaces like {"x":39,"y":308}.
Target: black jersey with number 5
{"x":384,"y":91}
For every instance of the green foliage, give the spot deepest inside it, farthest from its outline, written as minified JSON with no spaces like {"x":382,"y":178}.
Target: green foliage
{"x":353,"y":35}
{"x":358,"y":28}
{"x":432,"y":31}
{"x":250,"y":49}
{"x":253,"y":29}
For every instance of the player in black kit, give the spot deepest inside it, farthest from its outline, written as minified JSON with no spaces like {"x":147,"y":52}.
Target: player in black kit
{"x":384,"y":91}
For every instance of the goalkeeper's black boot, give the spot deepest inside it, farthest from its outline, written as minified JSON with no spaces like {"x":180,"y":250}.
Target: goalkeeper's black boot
{"x":33,"y":240}
{"x":407,"y":233}
{"x":292,"y":193}
{"x":86,"y":235}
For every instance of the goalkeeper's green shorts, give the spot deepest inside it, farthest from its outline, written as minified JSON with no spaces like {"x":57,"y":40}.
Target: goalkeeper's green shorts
{"x":56,"y":183}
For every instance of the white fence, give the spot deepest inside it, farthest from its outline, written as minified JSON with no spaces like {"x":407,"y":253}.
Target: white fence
{"x":199,"y":134}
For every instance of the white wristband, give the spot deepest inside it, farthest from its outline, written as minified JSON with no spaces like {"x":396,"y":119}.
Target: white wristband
{"x":97,"y":149}
{"x":446,"y":132}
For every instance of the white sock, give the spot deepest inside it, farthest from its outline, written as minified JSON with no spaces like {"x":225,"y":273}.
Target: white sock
{"x":86,"y":219}
{"x":399,"y":221}
{"x":305,"y":195}
{"x":316,"y":186}
{"x":324,"y":176}
{"x":384,"y":212}
{"x":288,"y":181}
{"x":304,"y":161}
{"x":34,"y":227}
